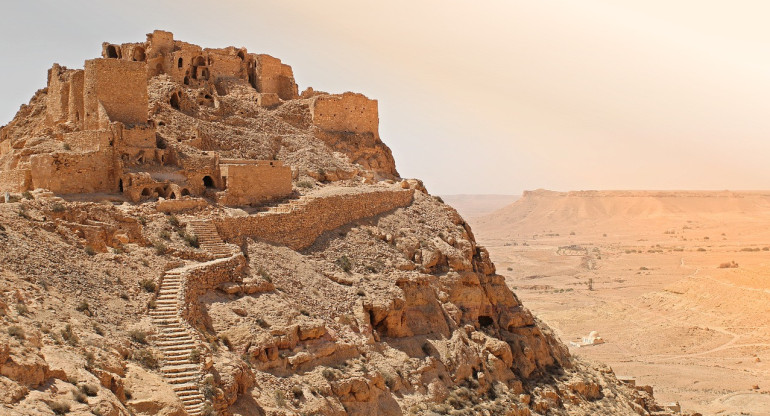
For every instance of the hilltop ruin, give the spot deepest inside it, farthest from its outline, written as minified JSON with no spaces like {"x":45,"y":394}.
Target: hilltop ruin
{"x":107,"y":138}
{"x":185,"y":233}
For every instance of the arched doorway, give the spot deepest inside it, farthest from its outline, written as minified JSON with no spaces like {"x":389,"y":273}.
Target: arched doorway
{"x":146,"y":192}
{"x":208,"y":182}
{"x":185,"y":192}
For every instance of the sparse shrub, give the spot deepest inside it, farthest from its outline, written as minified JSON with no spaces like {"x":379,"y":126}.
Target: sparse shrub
{"x":643,"y":268}
{"x":390,"y":380}
{"x":148,"y":285}
{"x":160,"y":247}
{"x":27,"y":195}
{"x":571,"y":233}
{"x":262,"y":323}
{"x":90,"y":361}
{"x":142,"y":220}
{"x":58,"y":207}
{"x":701,"y":249}
{"x":344,"y":263}
{"x":22,"y":309}
{"x":67,"y":146}
{"x":124,"y":296}
{"x":226,"y":342}
{"x":152,"y":304}
{"x":728,"y":265}
{"x":165,"y":234}
{"x":89,"y":389}
{"x":16,"y":332}
{"x":510,"y":269}
{"x":305,"y":184}
{"x":361,"y":293}
{"x":173,"y":221}
{"x":69,"y":335}
{"x":297,"y":392}
{"x":83,"y":307}
{"x":208,"y":411}
{"x":138,"y":336}
{"x":265,"y":275}
{"x":23,"y":213}
{"x":280,"y":399}
{"x":195,"y":356}
{"x":191,"y":239}
{"x":98,"y":330}
{"x":90,"y":250}
{"x":59,"y":408}
{"x":329,"y":374}
{"x":79,"y":397}
{"x":304,"y":312}
{"x":207,"y":389}
{"x":439,"y":199}
{"x":146,"y":358}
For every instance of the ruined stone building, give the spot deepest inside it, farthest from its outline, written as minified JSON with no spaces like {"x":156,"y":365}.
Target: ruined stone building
{"x":106,"y":140}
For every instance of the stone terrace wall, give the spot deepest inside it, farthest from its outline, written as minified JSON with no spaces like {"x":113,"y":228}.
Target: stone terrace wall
{"x":299,"y":228}
{"x":204,"y":277}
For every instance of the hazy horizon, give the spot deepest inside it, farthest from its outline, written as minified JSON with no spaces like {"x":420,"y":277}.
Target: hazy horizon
{"x":489,"y":98}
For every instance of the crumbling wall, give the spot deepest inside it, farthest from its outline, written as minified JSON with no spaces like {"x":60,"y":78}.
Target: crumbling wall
{"x":299,"y":228}
{"x":251,"y":182}
{"x":274,"y":77}
{"x":348,"y":112}
{"x":74,"y":173}
{"x":64,"y":100}
{"x":120,"y":87}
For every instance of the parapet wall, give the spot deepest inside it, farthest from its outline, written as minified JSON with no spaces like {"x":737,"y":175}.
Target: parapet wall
{"x":300,"y":227}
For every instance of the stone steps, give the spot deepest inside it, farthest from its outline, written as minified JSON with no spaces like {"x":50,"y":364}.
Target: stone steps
{"x":176,"y":341}
{"x":209,"y":239}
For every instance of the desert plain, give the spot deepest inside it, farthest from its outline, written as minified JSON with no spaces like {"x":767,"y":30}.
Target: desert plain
{"x":677,"y":285}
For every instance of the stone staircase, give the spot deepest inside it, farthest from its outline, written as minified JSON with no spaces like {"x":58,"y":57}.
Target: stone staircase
{"x":209,"y":239}
{"x":177,"y":341}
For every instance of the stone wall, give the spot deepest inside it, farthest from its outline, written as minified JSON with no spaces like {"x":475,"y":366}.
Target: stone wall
{"x":205,"y":277}
{"x":348,"y":112}
{"x":300,"y":227}
{"x":64,"y":100}
{"x":119,"y":86}
{"x":272,"y":76}
{"x":252,"y":182}
{"x":16,"y":180}
{"x":71,"y":173}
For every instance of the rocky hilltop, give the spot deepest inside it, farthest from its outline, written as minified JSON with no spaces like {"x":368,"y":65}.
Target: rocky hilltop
{"x":182,"y":232}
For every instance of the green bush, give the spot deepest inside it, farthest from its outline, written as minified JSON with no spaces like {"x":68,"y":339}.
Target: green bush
{"x":305,"y":184}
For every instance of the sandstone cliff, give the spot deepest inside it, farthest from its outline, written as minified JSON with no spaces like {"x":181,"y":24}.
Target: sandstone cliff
{"x":358,"y":293}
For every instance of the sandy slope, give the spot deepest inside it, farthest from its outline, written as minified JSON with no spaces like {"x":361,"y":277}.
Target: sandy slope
{"x":671,"y":317}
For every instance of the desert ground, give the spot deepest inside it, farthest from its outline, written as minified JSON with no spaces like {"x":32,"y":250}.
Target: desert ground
{"x":677,"y":284}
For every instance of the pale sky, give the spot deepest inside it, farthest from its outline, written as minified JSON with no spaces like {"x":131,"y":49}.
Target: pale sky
{"x":493,"y":96}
